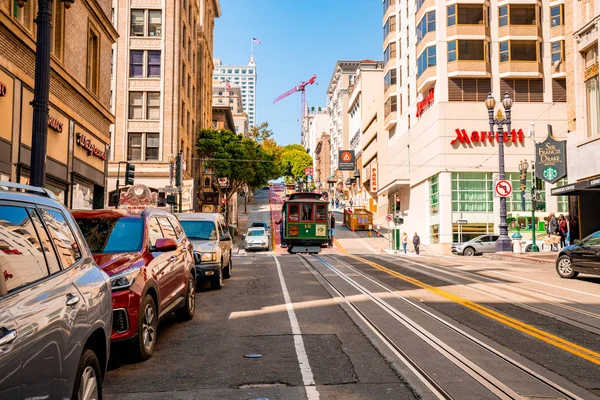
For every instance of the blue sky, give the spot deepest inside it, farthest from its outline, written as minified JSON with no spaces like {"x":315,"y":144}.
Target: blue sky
{"x":299,"y":38}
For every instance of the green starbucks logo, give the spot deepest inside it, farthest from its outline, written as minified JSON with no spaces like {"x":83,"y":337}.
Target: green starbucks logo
{"x":550,"y":173}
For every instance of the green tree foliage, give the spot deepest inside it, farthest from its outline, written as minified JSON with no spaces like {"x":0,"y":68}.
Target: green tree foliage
{"x":260,"y":133}
{"x":293,"y":162}
{"x":294,"y":147}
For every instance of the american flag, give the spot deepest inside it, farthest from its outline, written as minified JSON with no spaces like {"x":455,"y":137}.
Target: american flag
{"x":255,"y":40}
{"x":228,"y":86}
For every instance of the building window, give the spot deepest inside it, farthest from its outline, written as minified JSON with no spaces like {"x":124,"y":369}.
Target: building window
{"x":137,"y":22}
{"x":472,"y":192}
{"x":390,"y":26}
{"x":559,"y":90}
{"x":435,"y":233}
{"x":426,"y":25}
{"x":556,"y":15}
{"x":390,"y":105}
{"x":389,"y":53}
{"x":557,"y":49}
{"x":136,"y":63}
{"x":153,"y":63}
{"x":400,"y":75}
{"x":467,"y":14}
{"x":434,"y":198}
{"x":136,"y":105}
{"x":523,"y":90}
{"x":389,"y":79}
{"x":468,"y":89}
{"x":387,"y":4}
{"x":518,"y":50}
{"x":419,"y":4}
{"x":25,"y":15}
{"x":143,"y":147}
{"x":153,"y":105}
{"x":592,"y":92}
{"x":154,"y":22}
{"x":93,"y":61}
{"x":426,"y":59}
{"x":467,"y":50}
{"x":58,"y":29}
{"x":517,"y":14}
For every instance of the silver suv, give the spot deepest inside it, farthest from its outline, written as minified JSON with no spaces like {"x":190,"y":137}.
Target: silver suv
{"x":55,"y":303}
{"x":479,"y":245}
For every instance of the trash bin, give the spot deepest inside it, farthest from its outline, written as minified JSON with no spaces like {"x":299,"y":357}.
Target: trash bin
{"x":516,"y":241}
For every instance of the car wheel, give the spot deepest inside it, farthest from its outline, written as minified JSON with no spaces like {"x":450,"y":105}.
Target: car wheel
{"x":216,"y":282}
{"x":227,"y":271}
{"x":528,"y":248}
{"x":186,"y":312}
{"x":88,"y":381}
{"x":469,"y":252}
{"x":564,"y":268}
{"x":147,"y":329}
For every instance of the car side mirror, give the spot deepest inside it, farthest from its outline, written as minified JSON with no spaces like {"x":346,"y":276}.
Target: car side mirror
{"x":226,"y":237}
{"x":165,"y":244}
{"x":577,"y":242}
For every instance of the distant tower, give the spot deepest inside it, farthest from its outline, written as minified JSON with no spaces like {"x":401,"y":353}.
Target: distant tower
{"x":245,"y":77}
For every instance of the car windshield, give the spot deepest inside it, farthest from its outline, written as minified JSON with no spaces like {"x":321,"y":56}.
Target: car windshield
{"x":112,"y":234}
{"x":257,"y":232}
{"x":259,"y":224}
{"x":199,"y":230}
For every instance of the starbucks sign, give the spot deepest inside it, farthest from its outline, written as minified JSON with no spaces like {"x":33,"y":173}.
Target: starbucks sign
{"x":551,"y":159}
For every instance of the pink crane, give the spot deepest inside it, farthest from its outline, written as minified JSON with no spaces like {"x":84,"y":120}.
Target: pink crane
{"x":299,"y":88}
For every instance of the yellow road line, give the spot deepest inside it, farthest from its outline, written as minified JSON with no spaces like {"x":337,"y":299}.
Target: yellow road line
{"x":339,"y":246}
{"x":547,"y":337}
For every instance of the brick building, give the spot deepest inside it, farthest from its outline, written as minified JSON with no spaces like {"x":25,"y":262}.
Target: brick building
{"x":79,"y":112}
{"x":162,"y":83}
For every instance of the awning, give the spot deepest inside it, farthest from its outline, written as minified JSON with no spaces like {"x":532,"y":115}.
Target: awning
{"x":331,"y":179}
{"x":575,"y":188}
{"x":393,"y":186}
{"x":356,"y":174}
{"x":349,"y":181}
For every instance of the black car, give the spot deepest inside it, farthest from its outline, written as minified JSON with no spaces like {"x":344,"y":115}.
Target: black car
{"x":583,"y":256}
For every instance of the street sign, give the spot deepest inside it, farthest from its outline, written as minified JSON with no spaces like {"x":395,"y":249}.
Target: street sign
{"x":389,"y":218}
{"x":551,"y":159}
{"x":503,"y":188}
{"x":462,"y":222}
{"x":223,"y":182}
{"x":346,"y":160}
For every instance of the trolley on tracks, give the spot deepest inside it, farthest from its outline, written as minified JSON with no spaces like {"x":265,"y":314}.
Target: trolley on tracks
{"x":306,"y":219}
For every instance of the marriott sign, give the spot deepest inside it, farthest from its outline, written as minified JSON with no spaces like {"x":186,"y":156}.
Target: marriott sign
{"x":485,"y":136}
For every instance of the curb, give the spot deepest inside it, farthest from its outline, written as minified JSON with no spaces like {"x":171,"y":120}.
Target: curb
{"x":510,"y":256}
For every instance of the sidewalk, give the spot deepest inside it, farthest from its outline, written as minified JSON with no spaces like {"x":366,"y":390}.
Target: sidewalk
{"x":542,"y":257}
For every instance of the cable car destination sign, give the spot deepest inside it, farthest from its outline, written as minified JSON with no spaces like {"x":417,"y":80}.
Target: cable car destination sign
{"x":551,"y":159}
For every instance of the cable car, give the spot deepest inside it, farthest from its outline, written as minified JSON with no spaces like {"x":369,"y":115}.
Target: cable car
{"x":306,"y":219}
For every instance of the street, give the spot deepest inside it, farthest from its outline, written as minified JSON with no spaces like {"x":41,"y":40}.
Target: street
{"x":376,"y":326}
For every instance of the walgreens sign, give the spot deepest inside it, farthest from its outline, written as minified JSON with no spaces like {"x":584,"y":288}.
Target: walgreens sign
{"x":482,"y":137}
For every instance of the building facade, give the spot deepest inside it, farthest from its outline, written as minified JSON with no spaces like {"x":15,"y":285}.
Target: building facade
{"x":79,"y":110}
{"x":245,"y":76}
{"x":440,"y":62}
{"x":156,"y":89}
{"x":582,"y":32}
{"x":230,"y":95}
{"x":322,"y":162}
{"x":314,"y":123}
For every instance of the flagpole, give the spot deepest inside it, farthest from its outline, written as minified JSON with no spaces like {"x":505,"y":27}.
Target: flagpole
{"x":251,"y":48}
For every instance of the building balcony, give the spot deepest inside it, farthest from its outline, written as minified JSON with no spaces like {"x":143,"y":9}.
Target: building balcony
{"x":427,"y":39}
{"x":391,"y":119}
{"x":391,"y":36}
{"x":391,"y":63}
{"x":468,"y":30}
{"x":521,"y":69}
{"x":390,"y":90}
{"x":469,"y":69}
{"x":427,"y":79}
{"x":520,"y":30}
{"x":426,"y":4}
{"x":390,"y":10}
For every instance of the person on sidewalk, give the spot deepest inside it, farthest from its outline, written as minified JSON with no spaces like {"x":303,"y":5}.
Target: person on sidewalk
{"x":552,"y":229}
{"x":416,"y":242}
{"x":404,"y":241}
{"x":563,"y":226}
{"x":282,"y":230}
{"x":331,"y":228}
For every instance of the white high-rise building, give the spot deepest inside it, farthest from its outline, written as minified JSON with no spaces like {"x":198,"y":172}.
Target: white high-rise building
{"x":245,"y":77}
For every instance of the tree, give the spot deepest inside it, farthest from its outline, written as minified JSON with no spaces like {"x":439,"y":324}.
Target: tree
{"x":294,"y":147}
{"x":260,"y":133}
{"x":293,"y":163}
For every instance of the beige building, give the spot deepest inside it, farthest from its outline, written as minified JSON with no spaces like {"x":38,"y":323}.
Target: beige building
{"x":79,"y":112}
{"x":365,"y":124}
{"x":440,"y":62}
{"x":315,"y":122}
{"x":582,"y":33}
{"x":162,"y":82}
{"x":322,"y":163}
{"x":230,"y":95}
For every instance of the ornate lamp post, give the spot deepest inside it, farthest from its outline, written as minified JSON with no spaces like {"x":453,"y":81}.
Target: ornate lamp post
{"x":41,"y":90}
{"x":503,"y":243}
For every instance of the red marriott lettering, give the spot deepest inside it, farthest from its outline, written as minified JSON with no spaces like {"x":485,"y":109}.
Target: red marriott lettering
{"x":428,"y":100}
{"x":484,"y":136}
{"x":90,"y":147}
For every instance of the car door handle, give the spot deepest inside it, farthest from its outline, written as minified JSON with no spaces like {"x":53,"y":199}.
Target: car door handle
{"x":8,"y":338}
{"x":172,"y":258}
{"x":72,"y":300}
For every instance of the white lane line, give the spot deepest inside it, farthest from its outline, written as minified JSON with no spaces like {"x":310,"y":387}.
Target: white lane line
{"x":307,"y":375}
{"x":546,"y":284}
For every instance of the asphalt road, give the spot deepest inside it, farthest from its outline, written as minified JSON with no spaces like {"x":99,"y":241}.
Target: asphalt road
{"x":376,"y":326}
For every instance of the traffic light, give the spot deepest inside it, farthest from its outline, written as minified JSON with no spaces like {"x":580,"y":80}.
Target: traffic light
{"x":178,"y":171}
{"x":397,"y":206}
{"x":129,"y":174}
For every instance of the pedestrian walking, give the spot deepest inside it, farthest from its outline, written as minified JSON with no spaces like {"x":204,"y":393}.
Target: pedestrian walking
{"x":337,"y":203}
{"x":404,"y":241}
{"x":331,"y":228}
{"x":552,"y":230}
{"x":351,"y":202}
{"x":563,"y":227}
{"x":416,"y":242}
{"x":282,"y":230}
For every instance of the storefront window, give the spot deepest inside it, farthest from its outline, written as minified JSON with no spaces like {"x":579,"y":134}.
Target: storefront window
{"x":434,"y":198}
{"x":563,"y":201}
{"x":472,"y":191}
{"x":83,"y":197}
{"x":59,"y":190}
{"x":435,"y":233}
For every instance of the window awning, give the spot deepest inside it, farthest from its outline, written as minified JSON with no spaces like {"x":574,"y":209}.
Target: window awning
{"x":576,"y":188}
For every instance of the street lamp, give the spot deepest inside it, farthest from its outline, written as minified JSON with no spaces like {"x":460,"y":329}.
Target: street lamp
{"x":41,"y":90}
{"x":503,"y":243}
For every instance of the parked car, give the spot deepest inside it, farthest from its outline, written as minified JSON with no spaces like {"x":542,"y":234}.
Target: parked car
{"x":256,"y":239}
{"x":583,"y":256}
{"x":55,"y":304}
{"x":151,"y":267}
{"x":479,"y":245}
{"x":212,"y":246}
{"x":263,"y":225}
{"x":526,"y":245}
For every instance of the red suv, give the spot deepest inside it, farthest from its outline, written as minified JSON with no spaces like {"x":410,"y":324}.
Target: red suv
{"x":151,"y":266}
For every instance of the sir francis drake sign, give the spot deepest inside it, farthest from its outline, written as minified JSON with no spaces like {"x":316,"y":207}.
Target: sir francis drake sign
{"x":482,"y":137}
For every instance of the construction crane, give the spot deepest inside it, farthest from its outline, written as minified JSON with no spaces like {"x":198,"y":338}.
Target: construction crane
{"x":299,"y":88}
